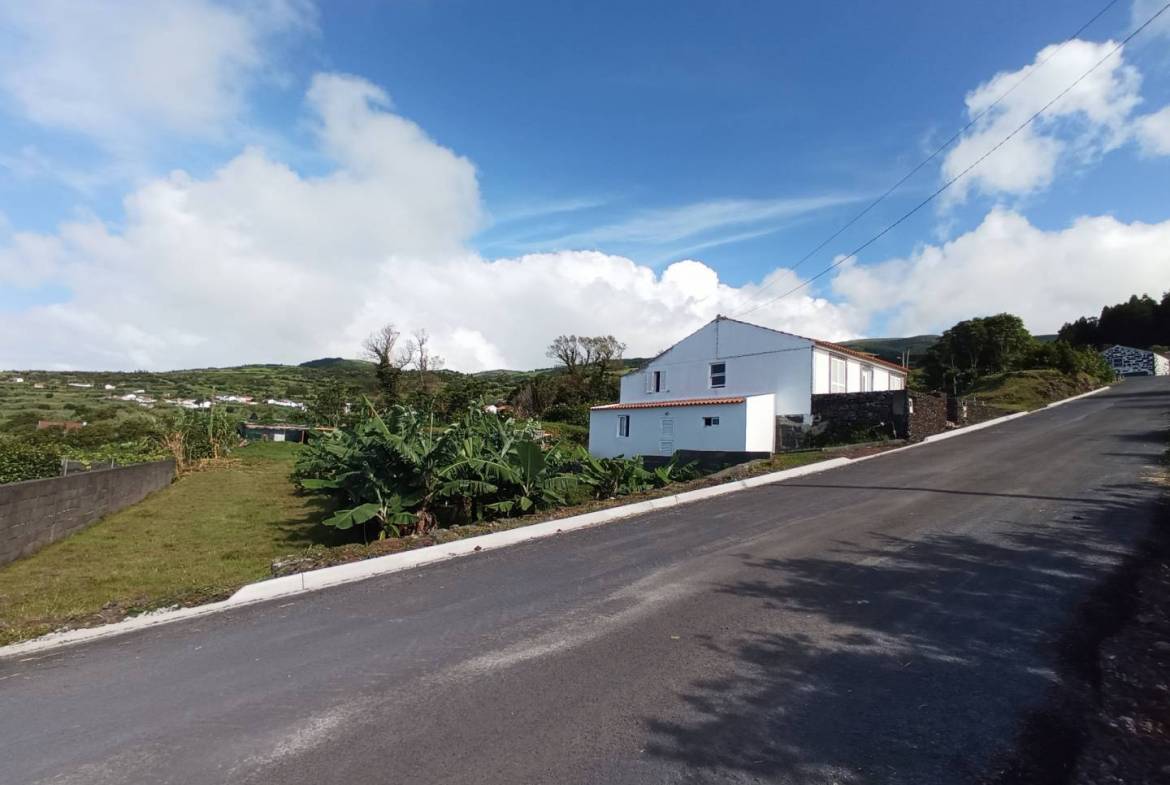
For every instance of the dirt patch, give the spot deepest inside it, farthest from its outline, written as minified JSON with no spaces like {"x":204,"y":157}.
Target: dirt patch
{"x":1127,"y":737}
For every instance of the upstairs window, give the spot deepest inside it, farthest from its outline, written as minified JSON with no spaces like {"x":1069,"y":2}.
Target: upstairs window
{"x":718,"y":375}
{"x":623,"y":426}
{"x":837,"y":383}
{"x":867,"y":378}
{"x":655,"y":381}
{"x":895,"y":382}
{"x":710,"y":422}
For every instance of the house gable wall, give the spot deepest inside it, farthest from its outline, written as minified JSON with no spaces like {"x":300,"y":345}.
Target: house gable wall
{"x":758,"y":361}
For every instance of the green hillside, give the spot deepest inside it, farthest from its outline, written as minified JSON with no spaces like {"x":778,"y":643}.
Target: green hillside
{"x":892,"y":348}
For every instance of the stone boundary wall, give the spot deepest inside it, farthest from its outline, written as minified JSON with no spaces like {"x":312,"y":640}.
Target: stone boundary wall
{"x":969,"y":411}
{"x":929,"y":416}
{"x":894,"y":414}
{"x":38,"y":512}
{"x":706,"y":460}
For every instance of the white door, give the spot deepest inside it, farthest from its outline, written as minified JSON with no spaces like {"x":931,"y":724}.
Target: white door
{"x":666,"y":436}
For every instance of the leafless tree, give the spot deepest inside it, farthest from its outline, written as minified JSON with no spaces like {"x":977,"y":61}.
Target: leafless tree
{"x":381,"y":347}
{"x":569,"y":351}
{"x":601,"y":351}
{"x":418,"y":353}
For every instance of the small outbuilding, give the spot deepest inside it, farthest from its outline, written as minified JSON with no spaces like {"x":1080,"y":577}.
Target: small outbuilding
{"x":253,"y":432}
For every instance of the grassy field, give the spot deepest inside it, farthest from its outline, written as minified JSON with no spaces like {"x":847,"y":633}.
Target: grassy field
{"x":213,"y":531}
{"x":197,"y":540}
{"x":1020,"y":391}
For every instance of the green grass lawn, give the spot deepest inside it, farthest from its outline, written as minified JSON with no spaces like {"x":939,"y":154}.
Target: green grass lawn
{"x":197,"y":540}
{"x":210,"y":533}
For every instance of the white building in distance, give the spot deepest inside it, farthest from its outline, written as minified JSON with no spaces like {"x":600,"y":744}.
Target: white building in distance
{"x":1128,"y":361}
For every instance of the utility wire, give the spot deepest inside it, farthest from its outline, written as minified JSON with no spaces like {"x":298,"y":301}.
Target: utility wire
{"x":961,"y":174}
{"x":1027,"y":75}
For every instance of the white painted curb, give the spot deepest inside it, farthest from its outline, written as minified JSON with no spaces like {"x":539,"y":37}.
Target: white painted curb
{"x":397,"y":562}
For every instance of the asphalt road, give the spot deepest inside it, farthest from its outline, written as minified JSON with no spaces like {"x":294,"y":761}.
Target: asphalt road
{"x":889,"y":622}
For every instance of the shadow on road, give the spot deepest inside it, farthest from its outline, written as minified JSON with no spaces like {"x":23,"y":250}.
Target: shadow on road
{"x":906,"y":661}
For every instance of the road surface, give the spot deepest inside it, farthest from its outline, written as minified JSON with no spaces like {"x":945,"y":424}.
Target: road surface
{"x":889,"y":622}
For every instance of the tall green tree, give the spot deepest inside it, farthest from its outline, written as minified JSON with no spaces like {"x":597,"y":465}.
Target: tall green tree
{"x":974,"y":348}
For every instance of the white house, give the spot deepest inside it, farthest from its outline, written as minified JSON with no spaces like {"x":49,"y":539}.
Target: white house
{"x":1128,"y":361}
{"x":722,"y":387}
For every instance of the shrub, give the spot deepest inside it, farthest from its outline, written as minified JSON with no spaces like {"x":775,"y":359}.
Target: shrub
{"x":21,"y":460}
{"x":573,"y":414}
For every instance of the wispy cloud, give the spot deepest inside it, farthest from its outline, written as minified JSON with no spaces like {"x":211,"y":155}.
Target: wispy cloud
{"x":693,"y":226}
{"x":525,"y":212}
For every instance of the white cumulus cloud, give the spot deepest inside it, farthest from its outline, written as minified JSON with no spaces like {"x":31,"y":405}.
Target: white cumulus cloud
{"x":1093,"y":118}
{"x":1007,"y":264}
{"x":117,"y":71}
{"x":259,"y":263}
{"x":1153,"y":132}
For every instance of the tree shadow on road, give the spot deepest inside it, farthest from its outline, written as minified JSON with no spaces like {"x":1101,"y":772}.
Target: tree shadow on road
{"x":907,"y":660}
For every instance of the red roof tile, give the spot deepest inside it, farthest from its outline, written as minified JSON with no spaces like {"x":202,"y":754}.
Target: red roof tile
{"x":671,"y":404}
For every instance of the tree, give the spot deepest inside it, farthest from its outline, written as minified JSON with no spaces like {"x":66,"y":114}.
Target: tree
{"x":601,"y":351}
{"x":1140,"y":321}
{"x":418,"y":353}
{"x":569,"y":351}
{"x":329,"y":405}
{"x":389,"y":359}
{"x":974,"y":348}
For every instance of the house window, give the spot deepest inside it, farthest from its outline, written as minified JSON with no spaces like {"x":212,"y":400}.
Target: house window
{"x":867,"y":378}
{"x":895,"y":382}
{"x":836,"y":375}
{"x":718,"y":375}
{"x":623,"y":426}
{"x":655,"y":382}
{"x":710,"y":422}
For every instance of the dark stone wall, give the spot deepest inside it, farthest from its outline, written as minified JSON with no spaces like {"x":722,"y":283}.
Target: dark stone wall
{"x":929,"y":416}
{"x":38,"y":512}
{"x":894,"y":414}
{"x":968,"y":411}
{"x":706,"y":460}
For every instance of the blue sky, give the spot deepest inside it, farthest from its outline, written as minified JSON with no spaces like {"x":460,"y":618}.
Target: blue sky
{"x":563,"y":157}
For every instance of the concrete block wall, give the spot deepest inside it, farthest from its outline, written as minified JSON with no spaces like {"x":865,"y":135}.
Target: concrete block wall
{"x":38,"y":512}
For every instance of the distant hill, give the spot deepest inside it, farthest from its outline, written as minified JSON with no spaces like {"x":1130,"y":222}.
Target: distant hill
{"x":339,"y":364}
{"x":892,"y":348}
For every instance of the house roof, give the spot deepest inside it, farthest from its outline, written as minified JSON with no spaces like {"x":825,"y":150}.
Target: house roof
{"x":672,"y":404}
{"x":869,"y":358}
{"x":827,"y":345}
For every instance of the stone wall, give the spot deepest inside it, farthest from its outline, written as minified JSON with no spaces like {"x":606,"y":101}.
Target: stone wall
{"x":928,"y":416}
{"x":840,"y":418}
{"x":968,"y":411}
{"x":38,"y":512}
{"x":705,"y":460}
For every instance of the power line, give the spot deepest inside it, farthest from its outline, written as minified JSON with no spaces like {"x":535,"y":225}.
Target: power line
{"x":963,"y":173}
{"x":1027,"y":75}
